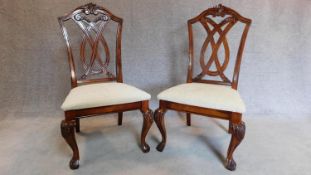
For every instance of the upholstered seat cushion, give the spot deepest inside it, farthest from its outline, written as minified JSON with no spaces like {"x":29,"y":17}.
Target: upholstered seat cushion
{"x":205,"y":95}
{"x":102,"y":94}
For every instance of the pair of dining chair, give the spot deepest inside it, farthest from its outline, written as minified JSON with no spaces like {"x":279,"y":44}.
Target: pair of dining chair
{"x":98,"y":91}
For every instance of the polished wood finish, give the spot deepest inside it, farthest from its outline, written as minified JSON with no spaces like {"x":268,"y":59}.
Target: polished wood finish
{"x":120,"y":118}
{"x":93,"y":34}
{"x":205,"y":18}
{"x":67,"y":130}
{"x":236,"y":125}
{"x":238,"y":133}
{"x":188,"y":119}
{"x":159,"y":120}
{"x":148,"y":119}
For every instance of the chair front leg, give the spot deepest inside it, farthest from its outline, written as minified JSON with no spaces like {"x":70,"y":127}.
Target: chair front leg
{"x":238,"y":132}
{"x":159,"y":119}
{"x":148,"y":120}
{"x":67,"y":130}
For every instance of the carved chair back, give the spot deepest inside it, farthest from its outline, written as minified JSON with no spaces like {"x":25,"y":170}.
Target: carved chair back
{"x":207,"y":19}
{"x":94,"y":51}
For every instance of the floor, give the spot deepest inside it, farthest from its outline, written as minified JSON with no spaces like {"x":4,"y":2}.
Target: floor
{"x":31,"y":144}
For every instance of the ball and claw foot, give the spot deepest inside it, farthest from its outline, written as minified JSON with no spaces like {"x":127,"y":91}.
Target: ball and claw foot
{"x":145,"y":148}
{"x":161,"y":146}
{"x":74,"y":164}
{"x":231,"y":165}
{"x":238,"y":133}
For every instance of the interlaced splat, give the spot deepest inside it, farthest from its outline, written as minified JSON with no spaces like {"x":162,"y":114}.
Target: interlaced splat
{"x":217,"y":34}
{"x":93,"y":36}
{"x":94,"y":55}
{"x":217,"y":28}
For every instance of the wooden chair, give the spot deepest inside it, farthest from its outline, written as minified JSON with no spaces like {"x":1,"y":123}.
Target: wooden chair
{"x":106,"y":93}
{"x":213,"y":98}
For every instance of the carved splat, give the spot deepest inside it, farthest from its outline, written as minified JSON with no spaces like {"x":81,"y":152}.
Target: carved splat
{"x":216,"y":40}
{"x":215,"y":45}
{"x":93,"y":36}
{"x":92,"y":21}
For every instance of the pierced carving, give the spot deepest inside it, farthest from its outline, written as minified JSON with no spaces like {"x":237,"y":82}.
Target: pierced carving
{"x":238,"y":133}
{"x":214,"y":29}
{"x":228,"y":23}
{"x":148,"y":120}
{"x":93,"y":36}
{"x":92,"y":21}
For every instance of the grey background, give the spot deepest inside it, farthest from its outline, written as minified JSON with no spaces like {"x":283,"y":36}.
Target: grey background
{"x":275,"y":76}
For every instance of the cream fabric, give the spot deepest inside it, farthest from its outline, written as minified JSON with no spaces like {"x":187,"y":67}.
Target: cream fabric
{"x":102,"y":94}
{"x":205,"y":95}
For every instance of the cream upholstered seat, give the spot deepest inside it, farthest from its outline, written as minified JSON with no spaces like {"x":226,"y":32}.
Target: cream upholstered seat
{"x":205,"y":95}
{"x":102,"y":94}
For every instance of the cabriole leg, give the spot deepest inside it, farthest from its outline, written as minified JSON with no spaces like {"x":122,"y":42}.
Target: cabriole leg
{"x":159,"y":119}
{"x":148,"y":120}
{"x":68,"y":133}
{"x":238,"y":133}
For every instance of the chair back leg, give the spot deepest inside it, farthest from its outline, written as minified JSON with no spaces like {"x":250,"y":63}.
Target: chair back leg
{"x":188,"y":119}
{"x":77,"y":125}
{"x":238,"y":133}
{"x":120,"y":118}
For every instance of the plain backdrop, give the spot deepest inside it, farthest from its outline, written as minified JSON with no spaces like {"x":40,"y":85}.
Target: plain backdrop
{"x":276,"y":69}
